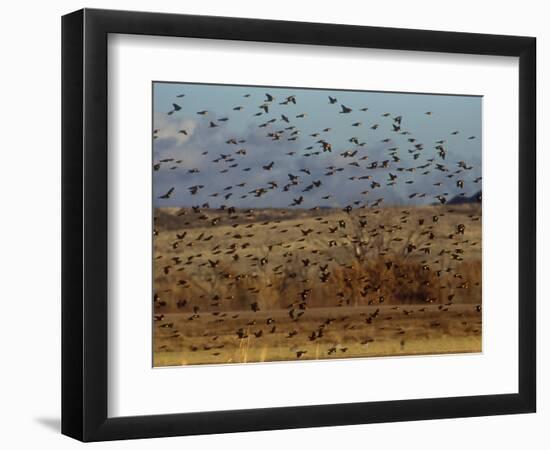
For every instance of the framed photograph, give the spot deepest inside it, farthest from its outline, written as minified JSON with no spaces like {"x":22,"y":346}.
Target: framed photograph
{"x":273,"y":224}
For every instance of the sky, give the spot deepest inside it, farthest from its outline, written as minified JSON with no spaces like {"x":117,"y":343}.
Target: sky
{"x":203,"y":159}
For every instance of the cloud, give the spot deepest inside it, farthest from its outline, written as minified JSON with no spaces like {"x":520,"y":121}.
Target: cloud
{"x":213,"y":164}
{"x":170,"y":125}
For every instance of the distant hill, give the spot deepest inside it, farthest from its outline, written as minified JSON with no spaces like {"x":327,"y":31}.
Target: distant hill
{"x":476,"y":198}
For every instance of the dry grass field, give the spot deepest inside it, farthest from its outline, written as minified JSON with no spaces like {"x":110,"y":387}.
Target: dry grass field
{"x":235,"y":286}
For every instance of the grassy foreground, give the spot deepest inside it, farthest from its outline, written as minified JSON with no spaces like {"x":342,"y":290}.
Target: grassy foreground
{"x":277,"y":285}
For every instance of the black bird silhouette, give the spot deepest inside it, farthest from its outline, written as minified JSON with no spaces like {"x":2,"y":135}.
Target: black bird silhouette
{"x":175,"y":108}
{"x":297,"y":201}
{"x":168,"y":193}
{"x":345,"y":110}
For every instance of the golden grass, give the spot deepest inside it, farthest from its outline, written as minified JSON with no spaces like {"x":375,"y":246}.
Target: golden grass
{"x":211,"y":339}
{"x":304,"y":266}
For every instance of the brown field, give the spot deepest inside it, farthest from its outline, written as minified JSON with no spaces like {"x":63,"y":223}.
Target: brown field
{"x":282,"y":284}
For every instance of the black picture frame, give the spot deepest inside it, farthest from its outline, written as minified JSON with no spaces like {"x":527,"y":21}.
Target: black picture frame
{"x":84,"y":224}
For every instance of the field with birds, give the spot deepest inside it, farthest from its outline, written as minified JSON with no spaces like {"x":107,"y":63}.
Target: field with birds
{"x":281,"y":284}
{"x":294,"y":224}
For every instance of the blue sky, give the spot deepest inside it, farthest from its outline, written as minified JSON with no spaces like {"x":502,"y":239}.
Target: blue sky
{"x":198,"y":150}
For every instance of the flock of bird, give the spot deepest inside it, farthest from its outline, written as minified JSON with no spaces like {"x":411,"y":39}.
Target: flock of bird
{"x":280,"y":122}
{"x":399,"y":166}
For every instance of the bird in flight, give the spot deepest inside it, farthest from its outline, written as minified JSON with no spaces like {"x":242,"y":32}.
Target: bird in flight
{"x":345,"y":109}
{"x":168,"y":194}
{"x":175,"y":108}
